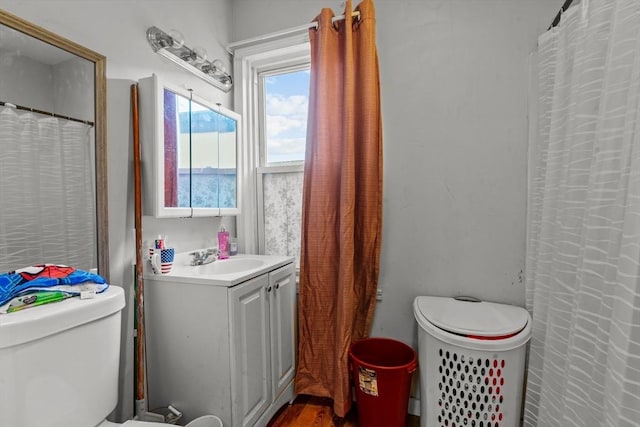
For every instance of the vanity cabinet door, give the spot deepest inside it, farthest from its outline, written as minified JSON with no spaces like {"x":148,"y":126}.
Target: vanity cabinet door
{"x":250,"y":358}
{"x":282,"y":286}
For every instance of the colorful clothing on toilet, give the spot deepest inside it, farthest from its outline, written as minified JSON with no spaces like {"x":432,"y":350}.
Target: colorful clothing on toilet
{"x":45,"y":283}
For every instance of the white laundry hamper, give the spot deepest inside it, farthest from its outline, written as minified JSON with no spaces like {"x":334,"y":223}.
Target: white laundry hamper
{"x":472,"y":360}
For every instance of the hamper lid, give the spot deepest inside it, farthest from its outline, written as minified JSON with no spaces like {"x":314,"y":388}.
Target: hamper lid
{"x":472,"y":318}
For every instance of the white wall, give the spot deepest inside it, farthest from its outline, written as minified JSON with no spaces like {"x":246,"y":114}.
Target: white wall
{"x":454,"y":98}
{"x":454,"y":93}
{"x":25,"y":82}
{"x":117,"y":29}
{"x":73,"y":89}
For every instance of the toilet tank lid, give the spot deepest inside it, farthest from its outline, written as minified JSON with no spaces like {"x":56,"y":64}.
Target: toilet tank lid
{"x":471,"y":318}
{"x":38,"y":322}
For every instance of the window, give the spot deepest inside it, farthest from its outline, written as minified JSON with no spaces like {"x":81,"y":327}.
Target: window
{"x":284,"y":103}
{"x":273,"y":100}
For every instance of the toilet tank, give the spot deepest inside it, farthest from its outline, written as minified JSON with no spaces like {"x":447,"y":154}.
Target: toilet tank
{"x":59,"y":362}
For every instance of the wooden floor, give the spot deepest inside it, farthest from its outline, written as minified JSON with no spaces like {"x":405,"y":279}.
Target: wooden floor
{"x":308,"y":411}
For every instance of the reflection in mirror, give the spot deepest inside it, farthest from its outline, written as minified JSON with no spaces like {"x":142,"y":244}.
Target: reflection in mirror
{"x":195,"y":165}
{"x":205,"y":155}
{"x":53,"y":164}
{"x":43,"y":77}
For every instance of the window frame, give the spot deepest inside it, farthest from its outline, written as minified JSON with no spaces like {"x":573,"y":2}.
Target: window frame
{"x":250,"y":63}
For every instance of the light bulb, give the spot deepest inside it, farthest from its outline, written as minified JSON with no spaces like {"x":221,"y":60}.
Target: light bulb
{"x":177,"y":39}
{"x":187,"y":55}
{"x":226,"y":80}
{"x":218,"y":67}
{"x":157,"y":38}
{"x":206,"y":68}
{"x":201,"y":54}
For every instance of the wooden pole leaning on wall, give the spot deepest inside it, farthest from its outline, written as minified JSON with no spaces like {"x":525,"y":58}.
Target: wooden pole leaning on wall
{"x":141,"y":411}
{"x":139,"y":280}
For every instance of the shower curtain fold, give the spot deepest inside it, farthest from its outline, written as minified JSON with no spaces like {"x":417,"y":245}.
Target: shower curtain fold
{"x":342,"y":203}
{"x":583,"y":250}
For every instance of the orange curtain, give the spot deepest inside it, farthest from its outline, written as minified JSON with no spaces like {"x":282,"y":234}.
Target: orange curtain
{"x":342,"y":203}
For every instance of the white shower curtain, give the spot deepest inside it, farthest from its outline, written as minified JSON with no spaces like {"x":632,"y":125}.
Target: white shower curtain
{"x":47,"y":191}
{"x":583,"y":239}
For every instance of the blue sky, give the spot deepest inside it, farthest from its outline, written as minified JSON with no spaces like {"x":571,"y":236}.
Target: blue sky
{"x":287,"y":99}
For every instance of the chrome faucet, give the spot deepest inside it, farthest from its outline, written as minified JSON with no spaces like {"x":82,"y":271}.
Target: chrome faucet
{"x":204,"y":257}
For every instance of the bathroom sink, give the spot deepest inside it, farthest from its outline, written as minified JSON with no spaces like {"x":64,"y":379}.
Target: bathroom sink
{"x":228,"y":266}
{"x":222,"y":272}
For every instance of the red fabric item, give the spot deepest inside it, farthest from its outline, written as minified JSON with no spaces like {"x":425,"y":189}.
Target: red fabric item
{"x":48,"y":270}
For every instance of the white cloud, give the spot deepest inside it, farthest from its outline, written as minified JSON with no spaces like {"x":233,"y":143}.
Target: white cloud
{"x":287,"y":145}
{"x":286,"y":114}
{"x":286,"y":126}
{"x":277,"y":125}
{"x":293,"y":105}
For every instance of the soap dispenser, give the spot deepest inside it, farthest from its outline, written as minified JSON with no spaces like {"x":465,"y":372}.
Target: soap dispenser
{"x":223,"y":243}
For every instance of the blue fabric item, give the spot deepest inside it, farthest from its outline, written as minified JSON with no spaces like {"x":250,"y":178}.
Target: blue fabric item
{"x":20,"y":282}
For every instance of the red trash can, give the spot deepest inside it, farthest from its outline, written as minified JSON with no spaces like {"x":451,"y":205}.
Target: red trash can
{"x":382,"y":369}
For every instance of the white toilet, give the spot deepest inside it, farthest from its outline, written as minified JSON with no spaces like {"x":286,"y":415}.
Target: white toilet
{"x":59,"y":363}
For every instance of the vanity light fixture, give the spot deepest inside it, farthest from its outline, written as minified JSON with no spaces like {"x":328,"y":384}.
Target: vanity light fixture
{"x":171,"y":46}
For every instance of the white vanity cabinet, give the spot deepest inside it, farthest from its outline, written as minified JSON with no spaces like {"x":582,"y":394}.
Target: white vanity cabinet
{"x":263,"y":329}
{"x":222,"y":350}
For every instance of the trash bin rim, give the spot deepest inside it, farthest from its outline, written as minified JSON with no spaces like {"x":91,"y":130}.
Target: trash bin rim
{"x":411,"y":365}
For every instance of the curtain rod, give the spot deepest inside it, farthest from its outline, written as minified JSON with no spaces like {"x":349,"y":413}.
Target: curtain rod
{"x":231,"y":46}
{"x":46,"y":113}
{"x":563,"y":9}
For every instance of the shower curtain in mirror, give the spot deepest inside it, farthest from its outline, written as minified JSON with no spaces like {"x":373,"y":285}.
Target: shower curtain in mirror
{"x":583,"y":248}
{"x":47,"y":204}
{"x":342,"y":203}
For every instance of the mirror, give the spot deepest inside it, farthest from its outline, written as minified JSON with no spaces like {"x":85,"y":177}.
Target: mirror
{"x":189,"y":152}
{"x":54,"y":183}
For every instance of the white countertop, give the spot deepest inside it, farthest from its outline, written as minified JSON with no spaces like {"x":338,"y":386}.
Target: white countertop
{"x":207,"y":274}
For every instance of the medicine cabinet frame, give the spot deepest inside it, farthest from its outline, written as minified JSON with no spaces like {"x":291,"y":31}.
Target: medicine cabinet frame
{"x":152,"y":132}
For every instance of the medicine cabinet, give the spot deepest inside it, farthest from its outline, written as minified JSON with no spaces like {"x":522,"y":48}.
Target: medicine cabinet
{"x":189,"y":153}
